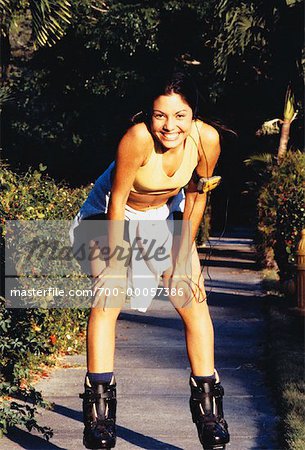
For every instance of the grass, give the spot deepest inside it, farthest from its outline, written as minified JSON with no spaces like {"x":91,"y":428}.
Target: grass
{"x":285,"y":350}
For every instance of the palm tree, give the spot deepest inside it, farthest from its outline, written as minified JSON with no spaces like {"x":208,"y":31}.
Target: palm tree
{"x":251,"y":33}
{"x":289,"y":115}
{"x":48,"y":21}
{"x":273,"y":126}
{"x":242,"y":27}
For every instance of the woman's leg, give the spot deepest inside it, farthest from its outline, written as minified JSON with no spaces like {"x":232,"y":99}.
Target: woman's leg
{"x":99,"y":398}
{"x":101,"y":325}
{"x":206,"y":391}
{"x":199,"y":336}
{"x":101,"y":339}
{"x":199,"y":332}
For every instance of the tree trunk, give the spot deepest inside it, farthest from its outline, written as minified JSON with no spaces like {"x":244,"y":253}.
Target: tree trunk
{"x":282,"y":150}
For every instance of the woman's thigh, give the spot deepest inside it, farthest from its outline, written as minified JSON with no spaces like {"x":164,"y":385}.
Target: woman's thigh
{"x":92,"y":252}
{"x":89,"y":238}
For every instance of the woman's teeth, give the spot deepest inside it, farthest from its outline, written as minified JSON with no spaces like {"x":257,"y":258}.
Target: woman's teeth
{"x":170,"y":136}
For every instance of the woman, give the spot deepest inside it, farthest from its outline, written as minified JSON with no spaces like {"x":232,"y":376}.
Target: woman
{"x":156,"y":158}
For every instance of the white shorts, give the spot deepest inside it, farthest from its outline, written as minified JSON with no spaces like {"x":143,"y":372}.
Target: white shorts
{"x":152,"y":228}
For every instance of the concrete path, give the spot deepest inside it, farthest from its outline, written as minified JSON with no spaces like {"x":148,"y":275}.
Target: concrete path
{"x":152,"y":369}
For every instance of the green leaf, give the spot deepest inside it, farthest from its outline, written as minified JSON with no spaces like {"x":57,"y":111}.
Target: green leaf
{"x":49,"y":18}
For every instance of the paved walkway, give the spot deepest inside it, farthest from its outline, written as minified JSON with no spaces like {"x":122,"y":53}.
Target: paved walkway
{"x":152,"y":369}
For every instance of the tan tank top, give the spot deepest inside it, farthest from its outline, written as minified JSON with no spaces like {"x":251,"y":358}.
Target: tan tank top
{"x":151,"y":178}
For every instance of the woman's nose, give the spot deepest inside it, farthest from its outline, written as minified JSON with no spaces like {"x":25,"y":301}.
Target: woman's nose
{"x":169,"y":124}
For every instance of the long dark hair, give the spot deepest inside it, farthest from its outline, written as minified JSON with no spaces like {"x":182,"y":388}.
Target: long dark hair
{"x":176,"y":82}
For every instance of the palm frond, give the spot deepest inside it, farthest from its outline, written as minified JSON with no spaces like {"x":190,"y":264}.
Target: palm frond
{"x":269,"y":127}
{"x":291,"y":3}
{"x":289,"y":108}
{"x":49,"y":20}
{"x":5,"y":96}
{"x":261,"y":158}
{"x":6,"y":6}
{"x":8,"y":9}
{"x":243,"y":27}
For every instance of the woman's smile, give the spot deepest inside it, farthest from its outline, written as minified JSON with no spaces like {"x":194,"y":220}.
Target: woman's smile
{"x":171,"y":120}
{"x":170,"y":136}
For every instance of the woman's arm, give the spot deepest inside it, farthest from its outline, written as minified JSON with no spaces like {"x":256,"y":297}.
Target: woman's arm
{"x":195,"y":202}
{"x":132,"y":152}
{"x":209,"y":151}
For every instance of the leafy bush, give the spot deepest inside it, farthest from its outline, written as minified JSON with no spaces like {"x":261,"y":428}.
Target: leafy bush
{"x":281,"y":208}
{"x":33,"y":336}
{"x":34,"y":195}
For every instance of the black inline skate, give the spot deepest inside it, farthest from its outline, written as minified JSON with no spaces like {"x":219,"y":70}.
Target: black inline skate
{"x":207,"y":413}
{"x":99,"y":412}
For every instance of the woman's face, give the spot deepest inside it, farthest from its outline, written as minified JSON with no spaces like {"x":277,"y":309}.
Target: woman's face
{"x":171,"y":120}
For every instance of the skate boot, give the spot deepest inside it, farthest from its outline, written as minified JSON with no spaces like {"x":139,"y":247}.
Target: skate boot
{"x":99,"y":411}
{"x":207,"y":413}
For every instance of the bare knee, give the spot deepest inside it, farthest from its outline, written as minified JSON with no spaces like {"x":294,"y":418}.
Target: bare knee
{"x":104,"y":314}
{"x":195,"y":313}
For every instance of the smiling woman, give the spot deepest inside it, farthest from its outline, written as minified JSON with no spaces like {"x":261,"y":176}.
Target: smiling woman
{"x":140,"y":192}
{"x":171,"y":121}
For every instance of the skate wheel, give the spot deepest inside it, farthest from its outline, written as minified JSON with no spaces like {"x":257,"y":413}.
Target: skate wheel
{"x":218,"y":447}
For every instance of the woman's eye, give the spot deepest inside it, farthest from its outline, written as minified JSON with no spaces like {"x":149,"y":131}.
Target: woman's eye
{"x":158,"y":116}
{"x":180,"y":116}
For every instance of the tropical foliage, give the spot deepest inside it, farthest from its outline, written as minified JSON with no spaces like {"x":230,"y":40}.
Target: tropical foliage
{"x":31,"y":337}
{"x":48,"y":18}
{"x":72,"y":102}
{"x":281,"y":208}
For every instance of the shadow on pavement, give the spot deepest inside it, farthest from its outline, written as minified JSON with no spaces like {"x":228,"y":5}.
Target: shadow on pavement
{"x":175,"y":324}
{"x":28,"y":441}
{"x":137,"y":439}
{"x":207,"y":252}
{"x":142,"y":441}
{"x":237,"y":303}
{"x":233,"y":286}
{"x":244,"y":265}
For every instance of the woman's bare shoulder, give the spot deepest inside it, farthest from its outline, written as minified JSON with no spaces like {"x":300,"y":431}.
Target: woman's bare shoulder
{"x":208,"y":134}
{"x":135,"y":145}
{"x":140,"y":132}
{"x":208,"y":147}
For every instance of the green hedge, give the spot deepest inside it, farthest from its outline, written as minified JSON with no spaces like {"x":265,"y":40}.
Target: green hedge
{"x":33,"y":336}
{"x":281,"y":211}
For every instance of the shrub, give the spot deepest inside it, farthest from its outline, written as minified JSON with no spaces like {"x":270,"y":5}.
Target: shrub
{"x":34,"y":195}
{"x":32,"y":336}
{"x":281,"y":209}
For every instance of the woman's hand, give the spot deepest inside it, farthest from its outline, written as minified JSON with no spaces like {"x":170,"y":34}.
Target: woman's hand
{"x":109,"y":288}
{"x":184,"y":286}
{"x":181,"y":288}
